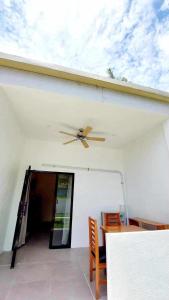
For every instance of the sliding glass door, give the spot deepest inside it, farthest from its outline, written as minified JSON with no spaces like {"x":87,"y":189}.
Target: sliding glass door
{"x":62,"y":223}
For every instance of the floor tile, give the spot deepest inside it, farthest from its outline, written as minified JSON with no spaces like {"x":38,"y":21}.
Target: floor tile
{"x":5,"y":258}
{"x":45,"y":274}
{"x":30,"y":273}
{"x":3,"y":293}
{"x":30,"y":291}
{"x":70,"y":291}
{"x":6,"y":277}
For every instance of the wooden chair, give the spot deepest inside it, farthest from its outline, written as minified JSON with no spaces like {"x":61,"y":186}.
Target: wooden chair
{"x":97,"y":256}
{"x":110,"y":219}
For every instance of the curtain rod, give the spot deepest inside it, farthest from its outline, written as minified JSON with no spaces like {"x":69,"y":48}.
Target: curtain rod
{"x":81,"y":168}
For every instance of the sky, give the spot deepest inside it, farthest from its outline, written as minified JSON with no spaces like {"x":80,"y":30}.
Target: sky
{"x":129,"y":36}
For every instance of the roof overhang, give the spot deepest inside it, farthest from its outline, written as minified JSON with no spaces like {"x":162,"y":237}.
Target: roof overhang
{"x":18,"y":63}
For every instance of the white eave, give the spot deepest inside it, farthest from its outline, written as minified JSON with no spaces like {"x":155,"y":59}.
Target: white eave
{"x":19,"y":63}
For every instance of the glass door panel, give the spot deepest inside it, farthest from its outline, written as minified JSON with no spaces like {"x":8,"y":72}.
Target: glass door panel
{"x":61,"y":231}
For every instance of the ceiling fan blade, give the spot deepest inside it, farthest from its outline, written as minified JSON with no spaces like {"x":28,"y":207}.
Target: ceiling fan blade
{"x":70,"y":142}
{"x":85,"y":144}
{"x":67,"y":133}
{"x":98,"y":139}
{"x":87,"y":130}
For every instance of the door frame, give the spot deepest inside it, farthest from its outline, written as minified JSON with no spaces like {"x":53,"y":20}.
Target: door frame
{"x":21,"y":211}
{"x":54,"y":208}
{"x":71,"y":215}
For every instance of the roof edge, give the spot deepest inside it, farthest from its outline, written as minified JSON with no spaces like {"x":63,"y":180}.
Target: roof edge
{"x":19,"y":63}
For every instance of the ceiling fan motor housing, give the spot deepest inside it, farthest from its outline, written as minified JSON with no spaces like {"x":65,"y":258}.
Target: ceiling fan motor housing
{"x":80,"y":134}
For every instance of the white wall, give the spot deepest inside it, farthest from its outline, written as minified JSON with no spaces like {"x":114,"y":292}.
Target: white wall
{"x":10,"y":153}
{"x":93,"y":191}
{"x":166,"y":132}
{"x":137,"y":265}
{"x":147,"y":176}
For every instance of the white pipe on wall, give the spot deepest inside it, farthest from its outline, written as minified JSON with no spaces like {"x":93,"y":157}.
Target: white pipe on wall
{"x":99,"y":170}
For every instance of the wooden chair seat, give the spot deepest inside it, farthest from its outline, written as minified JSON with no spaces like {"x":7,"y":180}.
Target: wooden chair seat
{"x":102,"y":254}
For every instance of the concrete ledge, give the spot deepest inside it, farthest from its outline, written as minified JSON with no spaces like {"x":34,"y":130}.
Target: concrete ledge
{"x":138,"y":265}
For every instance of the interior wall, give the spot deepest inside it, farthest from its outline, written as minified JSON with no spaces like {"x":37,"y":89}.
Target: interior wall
{"x":166,"y":132}
{"x":45,"y":189}
{"x":11,"y":151}
{"x":93,"y":191}
{"x":146,"y":163}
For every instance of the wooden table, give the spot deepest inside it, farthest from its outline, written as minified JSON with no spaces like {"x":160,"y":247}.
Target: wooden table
{"x":120,"y":228}
{"x":148,"y":224}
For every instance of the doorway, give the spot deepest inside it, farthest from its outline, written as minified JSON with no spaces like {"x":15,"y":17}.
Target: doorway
{"x":50,"y":206}
{"x":45,"y":209}
{"x":41,"y":204}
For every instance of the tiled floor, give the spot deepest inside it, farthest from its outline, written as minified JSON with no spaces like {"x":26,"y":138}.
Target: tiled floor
{"x":41,"y":273}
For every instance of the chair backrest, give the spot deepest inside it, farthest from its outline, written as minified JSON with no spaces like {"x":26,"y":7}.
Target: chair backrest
{"x":110,"y":219}
{"x":93,"y":238}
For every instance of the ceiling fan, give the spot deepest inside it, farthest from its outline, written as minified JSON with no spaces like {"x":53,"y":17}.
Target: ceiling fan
{"x":83,"y":137}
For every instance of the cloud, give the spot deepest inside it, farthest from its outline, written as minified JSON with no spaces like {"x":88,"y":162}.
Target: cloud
{"x":165,"y":5}
{"x":129,"y":36}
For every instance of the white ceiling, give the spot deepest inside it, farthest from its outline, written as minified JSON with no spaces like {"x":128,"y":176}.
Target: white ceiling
{"x":42,"y":115}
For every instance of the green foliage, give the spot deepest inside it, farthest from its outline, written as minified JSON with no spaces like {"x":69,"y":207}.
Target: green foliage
{"x":109,"y":70}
